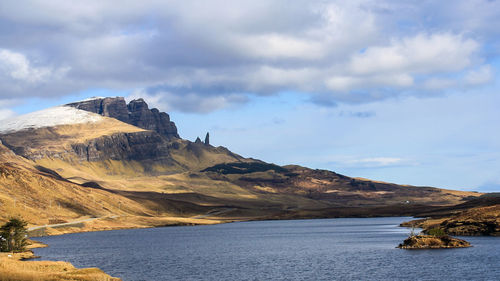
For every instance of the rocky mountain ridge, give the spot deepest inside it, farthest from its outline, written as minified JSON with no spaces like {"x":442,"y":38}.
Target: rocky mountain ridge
{"x":136,"y":113}
{"x":136,"y":154}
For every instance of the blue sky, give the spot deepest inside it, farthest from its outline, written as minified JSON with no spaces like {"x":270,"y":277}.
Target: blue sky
{"x":399,"y":91}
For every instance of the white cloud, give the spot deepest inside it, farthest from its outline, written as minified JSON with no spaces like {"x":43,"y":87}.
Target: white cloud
{"x":367,"y":162}
{"x":6,"y":113}
{"x":275,"y":46}
{"x":18,"y":67}
{"x":18,"y":74}
{"x":188,"y":102}
{"x":378,"y":161}
{"x":397,"y":64}
{"x":422,"y":53}
{"x":218,"y":50}
{"x":347,"y":83}
{"x":479,"y":76}
{"x":438,"y":83}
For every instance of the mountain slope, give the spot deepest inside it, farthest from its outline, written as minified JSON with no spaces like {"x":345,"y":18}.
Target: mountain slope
{"x":134,"y":155}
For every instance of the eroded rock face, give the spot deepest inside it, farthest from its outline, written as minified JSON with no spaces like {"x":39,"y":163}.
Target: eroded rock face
{"x":109,"y":107}
{"x":151,"y":119}
{"x":136,"y":113}
{"x":207,"y":139}
{"x":124,"y":146}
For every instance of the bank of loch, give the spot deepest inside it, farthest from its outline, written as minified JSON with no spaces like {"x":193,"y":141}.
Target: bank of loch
{"x":15,"y":267}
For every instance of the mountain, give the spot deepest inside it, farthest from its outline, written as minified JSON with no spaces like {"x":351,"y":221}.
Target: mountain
{"x":125,"y":165}
{"x":136,"y":113}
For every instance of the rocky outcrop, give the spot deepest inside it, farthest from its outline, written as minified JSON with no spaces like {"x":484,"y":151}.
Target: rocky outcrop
{"x":207,"y":139}
{"x":433,"y":242}
{"x":109,"y":107}
{"x":151,"y":119}
{"x":139,"y":146}
{"x":136,"y":113}
{"x":206,"y":142}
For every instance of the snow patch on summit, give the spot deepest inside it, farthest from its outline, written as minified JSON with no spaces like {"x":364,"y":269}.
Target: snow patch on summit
{"x":54,"y":116}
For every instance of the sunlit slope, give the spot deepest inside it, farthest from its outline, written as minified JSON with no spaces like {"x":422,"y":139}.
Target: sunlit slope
{"x":38,"y":196}
{"x":327,"y":186}
{"x":41,"y":196}
{"x":170,"y":174}
{"x":142,"y":174}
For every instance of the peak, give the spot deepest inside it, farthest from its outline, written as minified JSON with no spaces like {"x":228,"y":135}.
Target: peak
{"x":137,"y":105}
{"x":136,"y":113}
{"x":138,"y":100}
{"x":94,"y":99}
{"x":207,"y":139}
{"x":91,"y":99}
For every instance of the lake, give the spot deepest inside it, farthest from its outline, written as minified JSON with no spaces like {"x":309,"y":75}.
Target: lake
{"x":321,"y":249}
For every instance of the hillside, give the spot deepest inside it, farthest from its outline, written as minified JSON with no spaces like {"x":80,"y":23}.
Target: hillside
{"x":127,"y":166}
{"x":480,"y":216}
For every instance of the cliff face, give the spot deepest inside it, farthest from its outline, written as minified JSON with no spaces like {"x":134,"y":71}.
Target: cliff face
{"x":127,"y":146}
{"x":136,"y":113}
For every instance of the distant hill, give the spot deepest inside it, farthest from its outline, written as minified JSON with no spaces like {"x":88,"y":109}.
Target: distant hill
{"x":125,"y":165}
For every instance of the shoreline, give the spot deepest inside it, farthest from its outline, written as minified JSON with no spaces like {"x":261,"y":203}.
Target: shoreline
{"x":20,"y":266}
{"x":38,"y":244}
{"x":214,"y":221}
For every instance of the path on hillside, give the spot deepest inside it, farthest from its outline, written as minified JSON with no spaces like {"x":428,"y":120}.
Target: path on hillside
{"x":214,"y":212}
{"x":69,"y":223}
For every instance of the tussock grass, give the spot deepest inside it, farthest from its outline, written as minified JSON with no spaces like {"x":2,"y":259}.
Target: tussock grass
{"x":12,"y":269}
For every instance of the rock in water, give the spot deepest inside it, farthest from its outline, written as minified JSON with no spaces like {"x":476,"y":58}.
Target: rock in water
{"x":433,"y":242}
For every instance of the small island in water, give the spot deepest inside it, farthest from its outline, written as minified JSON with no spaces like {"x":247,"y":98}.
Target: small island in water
{"x":435,"y":238}
{"x":433,"y":242}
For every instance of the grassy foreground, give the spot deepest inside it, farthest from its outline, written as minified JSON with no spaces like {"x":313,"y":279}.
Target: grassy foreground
{"x":14,"y":268}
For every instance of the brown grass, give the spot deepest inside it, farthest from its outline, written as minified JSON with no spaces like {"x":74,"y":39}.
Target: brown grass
{"x":13,"y":269}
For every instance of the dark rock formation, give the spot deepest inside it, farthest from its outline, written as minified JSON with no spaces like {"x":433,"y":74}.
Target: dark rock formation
{"x":136,"y":113}
{"x":198,"y":140}
{"x":124,"y":146}
{"x":207,"y":139}
{"x":433,"y":242}
{"x":109,"y":107}
{"x":154,"y":120}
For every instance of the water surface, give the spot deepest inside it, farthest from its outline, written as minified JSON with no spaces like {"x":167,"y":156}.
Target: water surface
{"x":323,"y":249}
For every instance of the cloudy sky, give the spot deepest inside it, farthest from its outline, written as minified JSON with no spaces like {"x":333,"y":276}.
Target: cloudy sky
{"x":400,"y":91}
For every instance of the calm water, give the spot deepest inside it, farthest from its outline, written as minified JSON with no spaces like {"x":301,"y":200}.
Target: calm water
{"x":326,"y":249}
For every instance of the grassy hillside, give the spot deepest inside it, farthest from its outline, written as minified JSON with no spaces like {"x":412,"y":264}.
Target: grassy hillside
{"x":110,"y":174}
{"x":480,"y":216}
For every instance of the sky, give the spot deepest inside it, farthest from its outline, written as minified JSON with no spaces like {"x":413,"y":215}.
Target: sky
{"x":397,"y":91}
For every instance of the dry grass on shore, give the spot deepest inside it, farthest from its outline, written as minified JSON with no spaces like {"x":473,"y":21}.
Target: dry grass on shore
{"x":13,"y":269}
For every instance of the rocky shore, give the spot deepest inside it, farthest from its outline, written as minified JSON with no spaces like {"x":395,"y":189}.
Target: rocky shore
{"x":482,"y":221}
